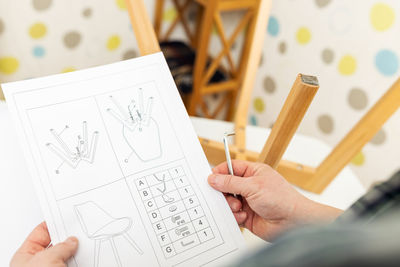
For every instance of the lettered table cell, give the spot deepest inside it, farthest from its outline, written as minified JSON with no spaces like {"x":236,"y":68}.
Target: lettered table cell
{"x":159,"y":227}
{"x":145,"y":194}
{"x":169,"y":251}
{"x":164,"y":239}
{"x":154,"y":216}
{"x":141,"y":183}
{"x":150,"y":205}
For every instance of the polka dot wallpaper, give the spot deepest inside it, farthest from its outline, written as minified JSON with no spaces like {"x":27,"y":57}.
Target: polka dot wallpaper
{"x":352,"y":46}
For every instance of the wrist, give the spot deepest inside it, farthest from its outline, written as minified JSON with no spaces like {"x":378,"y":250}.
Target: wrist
{"x":307,"y":211}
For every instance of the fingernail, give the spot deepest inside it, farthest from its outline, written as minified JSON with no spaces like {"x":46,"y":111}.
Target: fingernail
{"x":72,"y":240}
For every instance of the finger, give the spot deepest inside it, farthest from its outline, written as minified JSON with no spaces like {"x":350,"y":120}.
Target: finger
{"x":240,"y":168}
{"x":37,"y":240}
{"x":234,"y":203}
{"x":232,"y":184}
{"x":64,"y":250}
{"x":240,"y":217}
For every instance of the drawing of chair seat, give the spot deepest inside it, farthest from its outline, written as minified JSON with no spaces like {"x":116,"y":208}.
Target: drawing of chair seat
{"x":100,"y":226}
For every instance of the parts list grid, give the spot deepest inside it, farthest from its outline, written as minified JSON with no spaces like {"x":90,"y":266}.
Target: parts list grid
{"x":174,"y":210}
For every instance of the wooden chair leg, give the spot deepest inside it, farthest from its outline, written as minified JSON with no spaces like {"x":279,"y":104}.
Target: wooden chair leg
{"x":292,"y":113}
{"x":202,"y":54}
{"x":158,"y":14}
{"x":249,"y":73}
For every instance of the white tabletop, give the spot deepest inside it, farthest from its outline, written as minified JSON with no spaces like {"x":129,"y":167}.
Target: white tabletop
{"x":21,"y":212}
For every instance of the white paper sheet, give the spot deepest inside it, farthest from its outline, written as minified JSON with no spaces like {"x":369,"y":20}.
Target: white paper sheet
{"x":115,"y":161}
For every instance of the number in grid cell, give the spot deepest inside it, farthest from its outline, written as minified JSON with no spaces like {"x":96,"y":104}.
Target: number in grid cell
{"x":169,"y":251}
{"x":164,"y":239}
{"x":195,"y":213}
{"x":154,"y":216}
{"x":159,"y":227}
{"x":145,"y":194}
{"x":167,"y":198}
{"x":177,"y":220}
{"x":200,"y":223}
{"x":181,"y":181}
{"x":186,"y":243}
{"x":176,"y":172}
{"x":181,"y":231}
{"x":205,"y":234}
{"x":141,"y":183}
{"x":150,"y":205}
{"x":186,"y":191}
{"x":191,"y":202}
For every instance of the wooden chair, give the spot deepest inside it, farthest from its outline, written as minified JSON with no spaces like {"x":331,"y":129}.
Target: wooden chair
{"x":313,"y":179}
{"x":209,"y":19}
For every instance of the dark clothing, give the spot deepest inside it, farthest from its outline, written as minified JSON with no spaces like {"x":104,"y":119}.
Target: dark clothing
{"x":367,"y":234}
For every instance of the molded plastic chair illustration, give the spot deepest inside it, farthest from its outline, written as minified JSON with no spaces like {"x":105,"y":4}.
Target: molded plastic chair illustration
{"x":100,"y":226}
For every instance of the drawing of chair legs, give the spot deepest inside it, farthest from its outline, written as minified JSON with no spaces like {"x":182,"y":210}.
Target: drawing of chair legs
{"x":100,"y":226}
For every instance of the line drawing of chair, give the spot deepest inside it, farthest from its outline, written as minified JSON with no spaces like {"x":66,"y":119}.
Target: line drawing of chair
{"x":100,"y":226}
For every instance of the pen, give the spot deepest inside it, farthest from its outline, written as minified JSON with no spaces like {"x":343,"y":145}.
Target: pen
{"x":228,"y":155}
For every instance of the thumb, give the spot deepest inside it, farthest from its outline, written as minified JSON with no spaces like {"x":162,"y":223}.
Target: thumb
{"x":64,"y":250}
{"x":232,"y":184}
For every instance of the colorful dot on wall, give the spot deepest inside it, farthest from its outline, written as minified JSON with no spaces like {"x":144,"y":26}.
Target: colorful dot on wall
{"x":40,"y":5}
{"x":347,"y":65}
{"x":273,"y":26}
{"x":282,"y":47}
{"x":328,"y":56}
{"x":121,"y":4}
{"x":38,"y":51}
{"x":8,"y":65}
{"x":72,"y":39}
{"x":357,"y":99}
{"x":359,"y":159}
{"x":259,"y":105}
{"x":382,"y":16}
{"x":170,"y":14}
{"x":87,"y":12}
{"x":322,"y":3}
{"x":269,"y":84}
{"x":130,"y":54}
{"x":303,"y":35}
{"x":113,"y":42}
{"x":325,"y":124}
{"x":387,"y":62}
{"x":2,"y":27}
{"x":68,"y":69}
{"x":253,"y":120}
{"x":379,"y":138}
{"x":37,"y":30}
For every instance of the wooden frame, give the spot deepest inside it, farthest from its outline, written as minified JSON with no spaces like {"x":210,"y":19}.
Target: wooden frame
{"x":209,"y":19}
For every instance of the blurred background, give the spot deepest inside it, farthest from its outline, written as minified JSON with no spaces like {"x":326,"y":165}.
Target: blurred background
{"x":352,"y":46}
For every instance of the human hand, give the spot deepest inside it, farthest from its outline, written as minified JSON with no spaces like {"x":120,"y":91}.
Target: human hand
{"x":269,"y":204}
{"x":34,"y":251}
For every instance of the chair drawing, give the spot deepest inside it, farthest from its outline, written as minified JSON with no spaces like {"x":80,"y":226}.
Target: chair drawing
{"x":100,"y":226}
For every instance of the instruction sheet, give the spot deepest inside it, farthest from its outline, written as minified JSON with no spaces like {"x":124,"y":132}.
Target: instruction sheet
{"x":116,"y":163}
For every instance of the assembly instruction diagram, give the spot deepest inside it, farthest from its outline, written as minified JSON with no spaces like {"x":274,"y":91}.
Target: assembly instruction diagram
{"x":116,"y":163}
{"x":83,"y":150}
